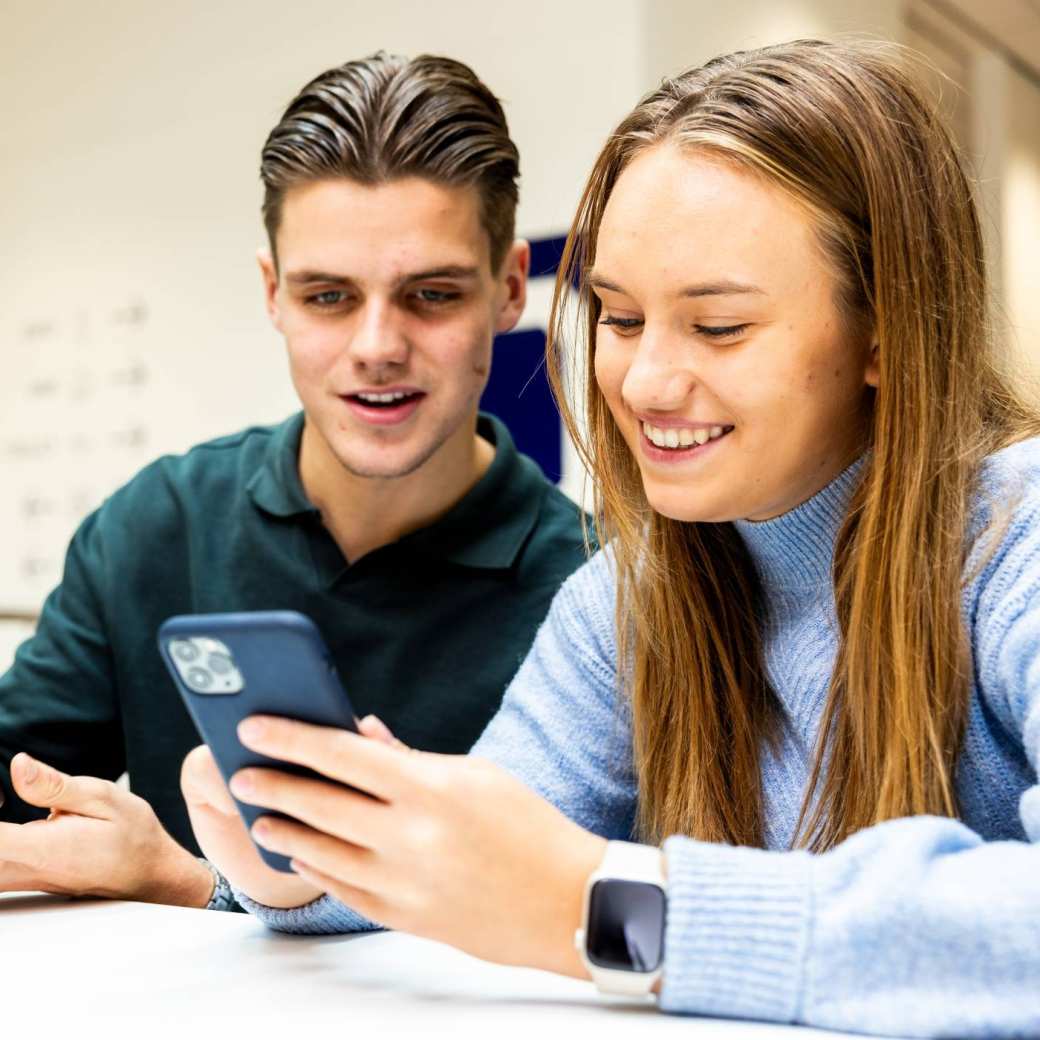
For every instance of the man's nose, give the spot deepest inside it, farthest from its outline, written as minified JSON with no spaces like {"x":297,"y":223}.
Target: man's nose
{"x":377,"y":340}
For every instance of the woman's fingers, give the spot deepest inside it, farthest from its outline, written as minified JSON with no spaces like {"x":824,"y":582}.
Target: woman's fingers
{"x":347,"y":815}
{"x":349,"y":864}
{"x":202,"y":784}
{"x":349,"y":758}
{"x":368,"y":904}
{"x":375,"y":728}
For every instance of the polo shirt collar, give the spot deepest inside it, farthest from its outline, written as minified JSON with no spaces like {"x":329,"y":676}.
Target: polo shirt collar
{"x":486,"y":529}
{"x":489,"y":525}
{"x":276,"y":486}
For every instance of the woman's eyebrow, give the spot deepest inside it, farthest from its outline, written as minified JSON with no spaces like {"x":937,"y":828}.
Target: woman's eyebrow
{"x":596,"y":281}
{"x":725,"y":287}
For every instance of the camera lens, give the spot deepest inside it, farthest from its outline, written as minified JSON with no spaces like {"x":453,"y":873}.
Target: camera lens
{"x":220,"y":664}
{"x":184,"y":650}
{"x":199,"y":678}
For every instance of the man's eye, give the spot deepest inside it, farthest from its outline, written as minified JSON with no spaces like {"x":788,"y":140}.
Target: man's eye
{"x":721,"y":331}
{"x":436,"y":296}
{"x":329,"y":298}
{"x":622,"y":324}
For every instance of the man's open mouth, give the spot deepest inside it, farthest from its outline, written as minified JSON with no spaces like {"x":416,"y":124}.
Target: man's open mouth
{"x":391,"y":399}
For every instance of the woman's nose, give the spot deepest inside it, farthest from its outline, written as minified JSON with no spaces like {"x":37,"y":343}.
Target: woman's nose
{"x":659,"y":378}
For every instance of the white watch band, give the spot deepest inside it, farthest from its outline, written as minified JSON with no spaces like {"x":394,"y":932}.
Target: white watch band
{"x":622,"y":861}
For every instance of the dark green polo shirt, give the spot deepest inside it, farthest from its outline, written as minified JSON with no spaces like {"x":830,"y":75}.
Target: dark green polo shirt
{"x":426,"y":632}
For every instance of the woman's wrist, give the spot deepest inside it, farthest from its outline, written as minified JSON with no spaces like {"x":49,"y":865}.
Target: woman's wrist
{"x":565,"y":958}
{"x":621,"y":863}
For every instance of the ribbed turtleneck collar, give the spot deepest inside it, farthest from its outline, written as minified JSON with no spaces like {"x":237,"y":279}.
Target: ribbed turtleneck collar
{"x":796,"y":550}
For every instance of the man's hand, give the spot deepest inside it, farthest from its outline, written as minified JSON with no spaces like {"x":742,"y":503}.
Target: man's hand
{"x":99,"y":840}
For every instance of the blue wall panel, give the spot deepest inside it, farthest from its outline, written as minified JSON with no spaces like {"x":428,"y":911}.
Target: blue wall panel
{"x":518,"y":390}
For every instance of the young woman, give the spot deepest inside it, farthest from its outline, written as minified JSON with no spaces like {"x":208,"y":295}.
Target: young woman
{"x":807,"y":667}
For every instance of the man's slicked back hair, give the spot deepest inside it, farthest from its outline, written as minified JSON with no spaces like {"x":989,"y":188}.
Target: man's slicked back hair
{"x":386,"y":117}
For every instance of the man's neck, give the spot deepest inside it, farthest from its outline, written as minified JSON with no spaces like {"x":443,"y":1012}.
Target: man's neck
{"x":365,"y":513}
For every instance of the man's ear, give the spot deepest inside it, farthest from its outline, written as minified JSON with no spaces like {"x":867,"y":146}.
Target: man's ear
{"x":269,"y":273}
{"x":513,"y":279}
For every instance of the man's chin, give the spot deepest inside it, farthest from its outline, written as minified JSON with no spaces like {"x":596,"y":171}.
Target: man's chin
{"x":393,"y":468}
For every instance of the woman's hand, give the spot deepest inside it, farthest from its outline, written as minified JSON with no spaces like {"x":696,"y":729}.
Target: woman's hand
{"x":450,"y":848}
{"x":223,"y":837}
{"x":224,"y":840}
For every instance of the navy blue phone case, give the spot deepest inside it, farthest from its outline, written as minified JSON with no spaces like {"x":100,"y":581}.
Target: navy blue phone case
{"x":287,"y":670}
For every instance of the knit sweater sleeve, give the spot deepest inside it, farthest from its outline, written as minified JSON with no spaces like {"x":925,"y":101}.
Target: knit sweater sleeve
{"x":562,"y":728}
{"x":564,"y":688}
{"x":917,"y":926}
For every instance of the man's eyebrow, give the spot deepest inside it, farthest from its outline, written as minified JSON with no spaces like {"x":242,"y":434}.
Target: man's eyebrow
{"x":310,"y":277}
{"x":448,"y":271}
{"x":724,"y":287}
{"x":456,"y":271}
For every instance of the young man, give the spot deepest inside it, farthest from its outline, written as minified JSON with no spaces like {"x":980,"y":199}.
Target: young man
{"x":408,"y":528}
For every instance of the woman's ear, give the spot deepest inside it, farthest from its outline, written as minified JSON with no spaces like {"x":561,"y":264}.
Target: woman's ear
{"x":871,"y":373}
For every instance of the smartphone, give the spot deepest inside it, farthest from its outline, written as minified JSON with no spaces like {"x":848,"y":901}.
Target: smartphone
{"x":229,"y":666}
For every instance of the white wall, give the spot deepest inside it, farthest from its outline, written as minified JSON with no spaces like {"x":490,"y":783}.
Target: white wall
{"x":1021,"y":226}
{"x":680,"y":33}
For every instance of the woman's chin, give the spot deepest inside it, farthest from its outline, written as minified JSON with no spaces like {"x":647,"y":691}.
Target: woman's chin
{"x":687,"y":508}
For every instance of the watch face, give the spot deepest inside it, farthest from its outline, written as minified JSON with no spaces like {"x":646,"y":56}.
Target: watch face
{"x":626,"y":926}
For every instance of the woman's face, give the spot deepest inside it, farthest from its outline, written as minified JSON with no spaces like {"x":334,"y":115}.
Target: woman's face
{"x":719,"y":325}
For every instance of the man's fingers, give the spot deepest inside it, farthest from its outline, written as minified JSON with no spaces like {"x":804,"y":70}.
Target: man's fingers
{"x":349,"y":758}
{"x":202,"y":784}
{"x":49,"y":788}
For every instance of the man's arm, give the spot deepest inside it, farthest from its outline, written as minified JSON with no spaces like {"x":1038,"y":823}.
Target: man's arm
{"x":58,"y":701}
{"x":79,"y":834}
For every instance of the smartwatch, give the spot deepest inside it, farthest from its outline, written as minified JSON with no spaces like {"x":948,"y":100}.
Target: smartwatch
{"x":621,"y":938}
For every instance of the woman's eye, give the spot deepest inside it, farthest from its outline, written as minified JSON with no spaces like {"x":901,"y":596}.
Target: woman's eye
{"x":721,"y":331}
{"x":621,"y":324}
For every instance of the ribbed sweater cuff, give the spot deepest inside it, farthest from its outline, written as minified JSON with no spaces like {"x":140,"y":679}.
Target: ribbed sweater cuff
{"x":737,"y":931}
{"x":322,"y":916}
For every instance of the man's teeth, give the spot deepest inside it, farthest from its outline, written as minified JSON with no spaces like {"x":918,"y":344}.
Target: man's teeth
{"x":675,"y":437}
{"x":383,"y":398}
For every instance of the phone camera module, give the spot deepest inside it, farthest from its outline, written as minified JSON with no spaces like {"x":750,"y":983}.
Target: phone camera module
{"x":199,"y":678}
{"x":184,"y":650}
{"x":206,"y":665}
{"x":219,"y":664}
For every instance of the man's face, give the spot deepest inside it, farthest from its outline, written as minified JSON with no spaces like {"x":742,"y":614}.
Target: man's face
{"x":720,"y":349}
{"x":388,"y":305}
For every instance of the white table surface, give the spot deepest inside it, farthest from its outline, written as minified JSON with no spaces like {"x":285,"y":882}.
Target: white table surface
{"x":89,"y":967}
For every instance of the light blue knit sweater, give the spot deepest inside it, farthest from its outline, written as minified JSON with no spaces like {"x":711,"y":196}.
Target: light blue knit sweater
{"x":922,"y":926}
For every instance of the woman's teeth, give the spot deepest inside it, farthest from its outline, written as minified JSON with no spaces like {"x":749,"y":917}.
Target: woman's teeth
{"x":682,"y":437}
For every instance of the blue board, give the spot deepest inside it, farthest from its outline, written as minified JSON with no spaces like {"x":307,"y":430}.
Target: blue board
{"x":518,"y":390}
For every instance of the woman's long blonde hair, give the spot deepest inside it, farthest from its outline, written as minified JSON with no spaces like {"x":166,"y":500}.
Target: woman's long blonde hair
{"x":844,"y":129}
